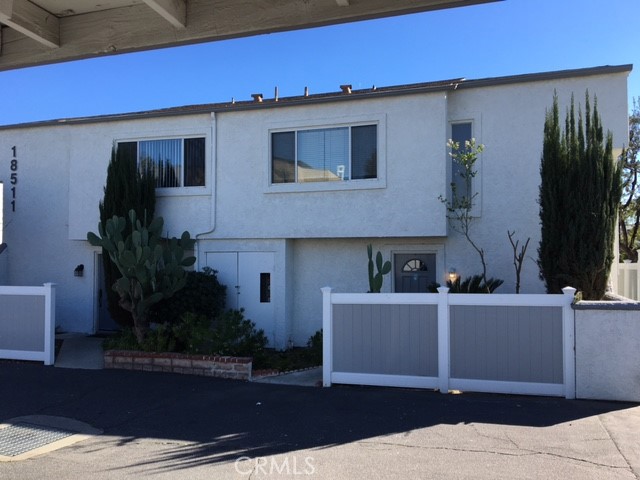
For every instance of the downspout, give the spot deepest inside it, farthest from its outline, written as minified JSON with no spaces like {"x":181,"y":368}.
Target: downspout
{"x":212,"y":179}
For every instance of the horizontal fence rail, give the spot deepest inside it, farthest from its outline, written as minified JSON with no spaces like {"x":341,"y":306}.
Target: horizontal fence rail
{"x":498,"y":343}
{"x":27,"y":323}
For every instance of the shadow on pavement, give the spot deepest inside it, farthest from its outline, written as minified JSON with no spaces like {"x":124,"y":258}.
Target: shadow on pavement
{"x":205,"y":420}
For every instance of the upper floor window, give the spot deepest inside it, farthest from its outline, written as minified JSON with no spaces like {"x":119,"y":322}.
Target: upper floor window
{"x":460,"y":133}
{"x":175,"y":162}
{"x":324,"y":154}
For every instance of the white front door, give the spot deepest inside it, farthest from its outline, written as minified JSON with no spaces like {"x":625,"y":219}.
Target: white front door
{"x":248,"y":277}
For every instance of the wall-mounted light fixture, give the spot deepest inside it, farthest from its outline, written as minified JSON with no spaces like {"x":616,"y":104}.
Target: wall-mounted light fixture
{"x":79,"y":271}
{"x":453,"y":275}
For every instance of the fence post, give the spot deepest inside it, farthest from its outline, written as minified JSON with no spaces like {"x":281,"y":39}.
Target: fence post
{"x":327,"y":336}
{"x":49,"y":323}
{"x":626,"y":275}
{"x":443,"y":339}
{"x":569,"y":344}
{"x":637,"y":270}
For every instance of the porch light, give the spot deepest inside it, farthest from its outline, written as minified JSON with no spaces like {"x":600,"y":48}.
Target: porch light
{"x":453,"y":275}
{"x":79,"y":271}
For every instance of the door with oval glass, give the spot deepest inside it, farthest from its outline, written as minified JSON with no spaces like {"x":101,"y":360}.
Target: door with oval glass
{"x":414,"y":272}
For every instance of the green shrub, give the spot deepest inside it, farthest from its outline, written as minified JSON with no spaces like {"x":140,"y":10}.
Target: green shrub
{"x":193,"y":334}
{"x":473,"y":284}
{"x":202,"y":295}
{"x":315,"y":348}
{"x":237,"y":336}
{"x":230,"y":334}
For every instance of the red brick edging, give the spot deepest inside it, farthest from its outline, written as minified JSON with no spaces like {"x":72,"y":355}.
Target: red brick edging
{"x":238,"y":368}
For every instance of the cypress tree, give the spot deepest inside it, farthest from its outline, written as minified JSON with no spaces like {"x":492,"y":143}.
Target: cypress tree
{"x":579,"y":195}
{"x":127,"y":187}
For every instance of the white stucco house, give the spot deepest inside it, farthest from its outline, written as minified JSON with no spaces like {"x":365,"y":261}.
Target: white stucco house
{"x":284,"y":194}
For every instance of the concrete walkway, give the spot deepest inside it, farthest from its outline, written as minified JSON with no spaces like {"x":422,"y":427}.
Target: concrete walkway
{"x":80,"y":351}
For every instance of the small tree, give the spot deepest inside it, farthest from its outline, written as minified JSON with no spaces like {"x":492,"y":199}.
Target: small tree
{"x":629,"y":212}
{"x":151,"y":268}
{"x":579,"y":196}
{"x":460,"y":205}
{"x":518,"y":256}
{"x":127,"y":187}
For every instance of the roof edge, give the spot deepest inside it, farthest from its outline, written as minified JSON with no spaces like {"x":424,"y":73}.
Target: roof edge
{"x":398,"y":90}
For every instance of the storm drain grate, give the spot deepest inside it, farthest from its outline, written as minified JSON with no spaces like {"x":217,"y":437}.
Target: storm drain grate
{"x":23,"y":437}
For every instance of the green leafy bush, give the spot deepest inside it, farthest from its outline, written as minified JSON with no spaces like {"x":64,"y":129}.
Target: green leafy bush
{"x":473,"y":284}
{"x":202,"y":295}
{"x":314,"y":345}
{"x":237,"y":336}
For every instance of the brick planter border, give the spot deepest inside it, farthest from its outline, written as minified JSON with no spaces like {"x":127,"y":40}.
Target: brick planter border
{"x":237,"y":368}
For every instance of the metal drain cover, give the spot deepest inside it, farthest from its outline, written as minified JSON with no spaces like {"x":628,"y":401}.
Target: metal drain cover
{"x":28,"y":436}
{"x":23,"y":437}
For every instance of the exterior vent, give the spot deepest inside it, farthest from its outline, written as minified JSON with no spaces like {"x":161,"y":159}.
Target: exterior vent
{"x":345,"y":88}
{"x":257,"y":97}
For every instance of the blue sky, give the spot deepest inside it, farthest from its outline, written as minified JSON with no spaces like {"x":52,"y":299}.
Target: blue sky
{"x":503,"y":38}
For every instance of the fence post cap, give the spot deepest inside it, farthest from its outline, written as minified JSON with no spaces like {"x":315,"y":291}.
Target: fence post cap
{"x":443,"y":289}
{"x":325,"y":289}
{"x":569,"y":291}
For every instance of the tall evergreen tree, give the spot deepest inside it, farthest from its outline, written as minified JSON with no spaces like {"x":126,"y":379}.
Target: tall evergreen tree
{"x":579,"y":195}
{"x":127,"y":187}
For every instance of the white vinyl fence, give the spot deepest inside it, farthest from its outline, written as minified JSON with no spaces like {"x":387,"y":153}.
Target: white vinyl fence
{"x":27,"y":323}
{"x":521,"y":344}
{"x":629,"y":279}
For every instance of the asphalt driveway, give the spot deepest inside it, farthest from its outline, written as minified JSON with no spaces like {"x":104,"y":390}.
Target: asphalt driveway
{"x":176,"y":426}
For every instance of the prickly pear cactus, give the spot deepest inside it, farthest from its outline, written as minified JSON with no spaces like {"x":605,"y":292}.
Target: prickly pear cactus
{"x":152,"y":268}
{"x":375,"y":280}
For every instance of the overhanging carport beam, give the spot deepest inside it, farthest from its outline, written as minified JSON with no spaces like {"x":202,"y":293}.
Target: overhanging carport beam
{"x":32,"y":21}
{"x":173,"y":11}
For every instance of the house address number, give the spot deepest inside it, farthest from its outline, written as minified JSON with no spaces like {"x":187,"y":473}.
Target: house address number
{"x":13,"y":166}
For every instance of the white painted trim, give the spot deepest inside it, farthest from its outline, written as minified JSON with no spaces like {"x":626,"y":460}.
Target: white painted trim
{"x":444,"y":340}
{"x":384,"y":298}
{"x":49,"y":323}
{"x":379,"y":119}
{"x":380,"y":380}
{"x":518,"y":388}
{"x":508,"y":300}
{"x":569,"y":343}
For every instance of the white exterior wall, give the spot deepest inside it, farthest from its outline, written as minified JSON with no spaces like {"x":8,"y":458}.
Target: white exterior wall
{"x":61,"y":177}
{"x":509,"y":121}
{"x":607,"y":346}
{"x":410,"y":136}
{"x":318,"y":237}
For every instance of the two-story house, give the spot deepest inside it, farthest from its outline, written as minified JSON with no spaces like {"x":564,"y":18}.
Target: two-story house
{"x":284,"y":194}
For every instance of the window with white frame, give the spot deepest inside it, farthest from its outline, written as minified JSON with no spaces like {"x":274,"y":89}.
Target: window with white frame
{"x":175,"y":162}
{"x":334,"y":154}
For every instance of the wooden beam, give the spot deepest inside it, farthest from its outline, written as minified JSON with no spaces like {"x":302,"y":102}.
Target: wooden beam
{"x":173,"y":11}
{"x":31,"y":20}
{"x":134,"y":28}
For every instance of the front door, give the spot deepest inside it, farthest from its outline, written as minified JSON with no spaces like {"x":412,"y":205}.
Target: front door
{"x":414,"y":272}
{"x":248,"y":277}
{"x":104,"y":320}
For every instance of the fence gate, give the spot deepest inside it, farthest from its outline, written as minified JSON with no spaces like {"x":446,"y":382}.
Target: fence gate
{"x":521,"y":344}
